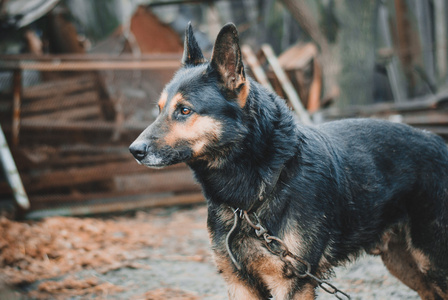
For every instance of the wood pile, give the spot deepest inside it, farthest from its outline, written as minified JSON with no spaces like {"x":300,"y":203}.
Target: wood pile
{"x":429,"y":113}
{"x":73,"y":149}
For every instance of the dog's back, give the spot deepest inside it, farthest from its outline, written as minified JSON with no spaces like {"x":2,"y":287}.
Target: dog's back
{"x":395,"y":174}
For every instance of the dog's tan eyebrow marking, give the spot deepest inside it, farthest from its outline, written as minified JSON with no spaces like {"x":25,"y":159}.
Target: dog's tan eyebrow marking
{"x":175,"y":100}
{"x":162,"y":100}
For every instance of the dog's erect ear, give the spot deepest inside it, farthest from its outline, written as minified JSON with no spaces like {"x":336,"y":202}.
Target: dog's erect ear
{"x":192,"y":53}
{"x":226,"y":58}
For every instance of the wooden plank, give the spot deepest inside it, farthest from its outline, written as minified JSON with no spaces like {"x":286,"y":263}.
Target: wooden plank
{"x":17,"y":101}
{"x":90,"y":65}
{"x":286,"y":84}
{"x":60,"y":102}
{"x":91,"y":111}
{"x":11,"y":173}
{"x":392,"y":67}
{"x":91,"y":57}
{"x":124,"y":203}
{"x":315,"y":88}
{"x":440,"y":20}
{"x":76,"y":176}
{"x":59,"y":87}
{"x":425,"y":118}
{"x":95,"y":126}
{"x":423,"y":103}
{"x":174,"y":181}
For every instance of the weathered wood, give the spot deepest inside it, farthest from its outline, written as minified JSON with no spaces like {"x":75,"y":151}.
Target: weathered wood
{"x":90,"y":65}
{"x":424,"y":103}
{"x":114,"y":204}
{"x":72,"y":114}
{"x":286,"y":84}
{"x":396,"y":83}
{"x":255,"y":66}
{"x":12,"y":175}
{"x":91,"y":57}
{"x":315,"y":88}
{"x":76,"y":176}
{"x":157,"y":182}
{"x":426,"y":118}
{"x":59,"y":87}
{"x":17,"y":101}
{"x":440,"y":20}
{"x":95,"y":126}
{"x":60,"y":102}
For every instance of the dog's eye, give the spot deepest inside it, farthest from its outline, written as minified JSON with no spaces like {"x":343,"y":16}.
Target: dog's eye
{"x":185,"y":111}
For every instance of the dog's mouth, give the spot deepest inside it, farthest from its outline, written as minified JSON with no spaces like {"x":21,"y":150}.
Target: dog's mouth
{"x":152,"y":161}
{"x":164,"y":157}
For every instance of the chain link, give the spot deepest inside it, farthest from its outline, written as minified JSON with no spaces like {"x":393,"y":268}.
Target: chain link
{"x":283,"y":253}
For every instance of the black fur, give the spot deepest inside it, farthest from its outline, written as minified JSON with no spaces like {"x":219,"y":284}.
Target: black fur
{"x":345,"y":188}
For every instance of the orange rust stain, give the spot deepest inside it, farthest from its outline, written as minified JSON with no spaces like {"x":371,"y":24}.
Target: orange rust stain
{"x":162,"y":100}
{"x":244,"y":93}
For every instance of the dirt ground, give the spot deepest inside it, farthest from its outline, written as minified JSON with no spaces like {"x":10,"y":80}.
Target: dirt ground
{"x":154,"y":254}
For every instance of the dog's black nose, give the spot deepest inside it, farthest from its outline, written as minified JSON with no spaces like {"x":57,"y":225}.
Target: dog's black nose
{"x":139,"y":150}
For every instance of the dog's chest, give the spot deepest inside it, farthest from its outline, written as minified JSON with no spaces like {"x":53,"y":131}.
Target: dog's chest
{"x":248,"y":250}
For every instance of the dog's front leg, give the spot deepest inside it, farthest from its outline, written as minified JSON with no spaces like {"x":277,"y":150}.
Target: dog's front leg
{"x":307,"y":292}
{"x":239,"y":290}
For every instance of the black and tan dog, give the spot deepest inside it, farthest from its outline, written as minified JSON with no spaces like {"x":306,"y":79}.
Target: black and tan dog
{"x":328,"y":192}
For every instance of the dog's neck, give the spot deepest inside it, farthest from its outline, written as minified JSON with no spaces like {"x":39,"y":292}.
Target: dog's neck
{"x":250,"y":167}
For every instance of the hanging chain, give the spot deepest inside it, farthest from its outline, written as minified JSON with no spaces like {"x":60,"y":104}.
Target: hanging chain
{"x":283,"y":253}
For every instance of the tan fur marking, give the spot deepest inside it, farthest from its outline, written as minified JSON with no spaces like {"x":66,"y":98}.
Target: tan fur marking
{"x":307,"y":293}
{"x":174,"y":101}
{"x":400,"y":260}
{"x":162,"y":100}
{"x":421,"y":260}
{"x":197,"y":129}
{"x":271,"y":270}
{"x":244,"y":93}
{"x":237,"y":291}
{"x":236,"y":288}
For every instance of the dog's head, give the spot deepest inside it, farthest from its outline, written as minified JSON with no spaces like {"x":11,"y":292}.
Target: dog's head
{"x":202,"y":100}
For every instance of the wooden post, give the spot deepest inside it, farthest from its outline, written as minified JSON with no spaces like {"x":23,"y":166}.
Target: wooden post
{"x":12,"y":175}
{"x":255,"y":66}
{"x":440,"y":37}
{"x":286,"y":85}
{"x":17,"y":91}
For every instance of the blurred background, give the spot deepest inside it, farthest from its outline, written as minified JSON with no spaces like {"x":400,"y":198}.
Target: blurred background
{"x":79,"y":80}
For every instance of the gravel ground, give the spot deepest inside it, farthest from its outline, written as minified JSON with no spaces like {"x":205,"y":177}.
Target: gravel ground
{"x":177,"y":264}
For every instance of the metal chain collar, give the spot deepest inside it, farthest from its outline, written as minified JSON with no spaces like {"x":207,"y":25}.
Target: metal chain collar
{"x":286,"y":256}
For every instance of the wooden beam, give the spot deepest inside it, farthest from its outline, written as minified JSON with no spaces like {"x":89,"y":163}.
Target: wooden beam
{"x":96,"y":126}
{"x":60,"y":87}
{"x":124,"y":203}
{"x":90,"y":65}
{"x":60,"y":102}
{"x":75,"y":176}
{"x":17,"y":100}
{"x":287,"y":86}
{"x":256,"y":68}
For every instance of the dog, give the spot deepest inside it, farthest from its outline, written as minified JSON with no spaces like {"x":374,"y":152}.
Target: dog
{"x":288,"y":202}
